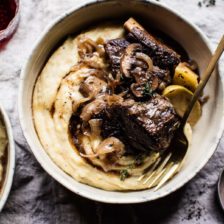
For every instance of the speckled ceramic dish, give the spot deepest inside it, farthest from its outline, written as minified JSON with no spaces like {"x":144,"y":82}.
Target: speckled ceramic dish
{"x":206,"y":133}
{"x":9,"y":165}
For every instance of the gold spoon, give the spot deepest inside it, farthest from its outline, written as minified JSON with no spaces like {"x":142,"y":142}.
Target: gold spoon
{"x":172,"y":160}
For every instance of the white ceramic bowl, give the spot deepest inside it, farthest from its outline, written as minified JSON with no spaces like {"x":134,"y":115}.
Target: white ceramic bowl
{"x":208,"y":130}
{"x":10,"y":166}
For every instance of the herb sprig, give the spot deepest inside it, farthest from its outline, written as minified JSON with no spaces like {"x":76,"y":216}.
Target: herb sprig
{"x":123,"y":174}
{"x":147,"y":91}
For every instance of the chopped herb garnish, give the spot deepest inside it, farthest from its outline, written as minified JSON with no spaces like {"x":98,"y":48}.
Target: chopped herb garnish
{"x":147,"y":91}
{"x":123,"y":175}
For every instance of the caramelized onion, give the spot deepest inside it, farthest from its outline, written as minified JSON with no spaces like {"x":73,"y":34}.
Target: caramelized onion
{"x":87,"y":47}
{"x":110,"y":145}
{"x":92,"y":108}
{"x":95,"y":125}
{"x":88,"y":155}
{"x":94,"y":62}
{"x":76,"y":104}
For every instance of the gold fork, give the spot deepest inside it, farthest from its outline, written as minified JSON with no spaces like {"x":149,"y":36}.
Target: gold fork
{"x":170,"y":162}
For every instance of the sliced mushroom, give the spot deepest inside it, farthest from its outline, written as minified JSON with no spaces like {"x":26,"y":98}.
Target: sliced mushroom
{"x":109,"y":150}
{"x":137,"y":89}
{"x":93,"y":108}
{"x":135,"y":61}
{"x":157,"y":79}
{"x":128,"y":58}
{"x":98,"y":105}
{"x":111,"y":147}
{"x":146,"y":59}
{"x":92,"y":86}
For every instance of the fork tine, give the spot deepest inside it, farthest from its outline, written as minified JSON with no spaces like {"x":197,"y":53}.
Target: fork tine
{"x":151,"y":170}
{"x":156,"y":177}
{"x":141,"y":177}
{"x":159,"y":169}
{"x":153,"y":165}
{"x":171,"y":169}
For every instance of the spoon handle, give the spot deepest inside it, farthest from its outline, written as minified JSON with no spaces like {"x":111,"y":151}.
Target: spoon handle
{"x":207,"y":74}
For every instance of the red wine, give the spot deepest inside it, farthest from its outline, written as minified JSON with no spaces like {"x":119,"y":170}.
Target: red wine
{"x":8,"y":19}
{"x":7,"y":12}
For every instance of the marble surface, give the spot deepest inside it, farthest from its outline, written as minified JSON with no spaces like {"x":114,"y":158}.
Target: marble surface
{"x":37,"y":198}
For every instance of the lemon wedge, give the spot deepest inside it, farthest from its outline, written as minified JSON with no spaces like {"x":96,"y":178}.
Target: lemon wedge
{"x":180,"y":97}
{"x":184,"y":76}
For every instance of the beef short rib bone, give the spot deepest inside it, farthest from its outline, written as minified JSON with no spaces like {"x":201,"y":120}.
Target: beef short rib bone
{"x":162,"y":56}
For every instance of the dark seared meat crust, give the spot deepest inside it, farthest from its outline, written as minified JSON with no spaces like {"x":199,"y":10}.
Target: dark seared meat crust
{"x":144,"y":126}
{"x":114,"y":49}
{"x":162,"y":55}
{"x":151,"y":124}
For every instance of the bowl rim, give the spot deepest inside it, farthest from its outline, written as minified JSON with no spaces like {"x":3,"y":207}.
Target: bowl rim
{"x":10,"y":167}
{"x":24,"y":73}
